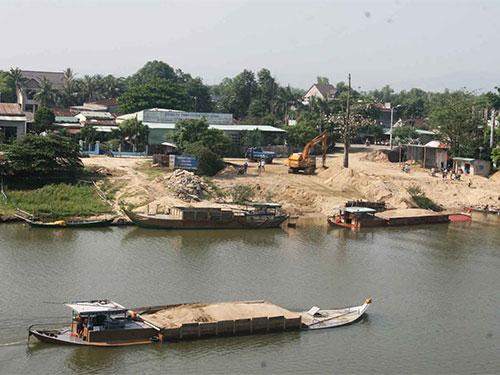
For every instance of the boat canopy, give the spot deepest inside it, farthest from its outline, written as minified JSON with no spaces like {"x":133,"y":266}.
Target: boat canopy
{"x":358,"y":210}
{"x":84,"y":307}
{"x":265,"y":205}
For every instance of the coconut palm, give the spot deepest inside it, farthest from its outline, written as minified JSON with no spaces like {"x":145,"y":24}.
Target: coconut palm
{"x":46,"y":95}
{"x":69,"y":92}
{"x":89,"y":88}
{"x":16,"y":75}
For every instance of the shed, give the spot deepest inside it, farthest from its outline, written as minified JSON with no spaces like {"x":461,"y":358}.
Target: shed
{"x":475,"y":167}
{"x":430,"y":156}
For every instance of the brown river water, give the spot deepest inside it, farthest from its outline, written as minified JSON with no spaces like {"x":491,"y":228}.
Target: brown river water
{"x":435,"y":291}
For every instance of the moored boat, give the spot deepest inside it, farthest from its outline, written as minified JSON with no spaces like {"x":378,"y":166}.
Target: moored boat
{"x":68,"y":223}
{"x":355,"y":217}
{"x":316,"y":318}
{"x":259,"y":216}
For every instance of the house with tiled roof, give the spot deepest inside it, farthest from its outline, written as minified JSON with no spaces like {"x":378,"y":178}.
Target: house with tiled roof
{"x":12,"y":120}
{"x":32,"y":79}
{"x":320,"y":91}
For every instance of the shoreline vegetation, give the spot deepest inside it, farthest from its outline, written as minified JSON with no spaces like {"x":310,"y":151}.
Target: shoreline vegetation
{"x":54,"y":201}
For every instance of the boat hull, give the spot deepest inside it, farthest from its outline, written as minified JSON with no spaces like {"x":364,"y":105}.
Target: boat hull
{"x":66,"y":337}
{"x":153,"y":222}
{"x":69,"y":224}
{"x":333,"y":318}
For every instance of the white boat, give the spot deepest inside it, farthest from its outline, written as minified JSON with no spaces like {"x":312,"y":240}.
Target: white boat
{"x":316,"y":318}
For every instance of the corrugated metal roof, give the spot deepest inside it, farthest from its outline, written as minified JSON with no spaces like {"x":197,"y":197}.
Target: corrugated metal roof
{"x":56,"y":78}
{"x":67,"y":119}
{"x":263,"y":128}
{"x":10,"y":109}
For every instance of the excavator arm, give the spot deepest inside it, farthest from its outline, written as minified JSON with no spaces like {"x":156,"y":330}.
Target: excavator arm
{"x":314,"y":142}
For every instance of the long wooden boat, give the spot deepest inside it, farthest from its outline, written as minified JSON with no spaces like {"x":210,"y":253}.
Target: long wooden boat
{"x":105,"y":323}
{"x":262,"y":215}
{"x":69,"y":223}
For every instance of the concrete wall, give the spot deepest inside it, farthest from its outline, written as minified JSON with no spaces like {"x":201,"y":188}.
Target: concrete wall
{"x":434,"y":157}
{"x":19,"y":126}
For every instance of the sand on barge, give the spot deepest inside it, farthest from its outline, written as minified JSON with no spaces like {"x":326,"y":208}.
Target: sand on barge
{"x":106,"y":323}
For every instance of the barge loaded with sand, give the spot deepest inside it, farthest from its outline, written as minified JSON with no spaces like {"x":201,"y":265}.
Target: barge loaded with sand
{"x":355,"y":217}
{"x":107,"y":323}
{"x":259,"y":216}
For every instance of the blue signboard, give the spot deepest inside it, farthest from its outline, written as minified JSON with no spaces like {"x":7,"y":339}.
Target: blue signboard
{"x":184,"y":162}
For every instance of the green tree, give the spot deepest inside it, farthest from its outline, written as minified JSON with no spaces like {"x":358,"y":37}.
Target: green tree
{"x":237,"y":93}
{"x":209,"y":163}
{"x":44,"y":120}
{"x":197,"y":131}
{"x":46,"y":95}
{"x":69,"y":94}
{"x":299,"y":135}
{"x":457,"y":121}
{"x":495,"y":154}
{"x":88,"y":133}
{"x":153,"y":71}
{"x":135,"y":133}
{"x":322,"y":80}
{"x":384,"y":95}
{"x":155,"y":94}
{"x":404,"y":134}
{"x":7,"y":88}
{"x":16,"y":75}
{"x":43,"y":156}
{"x":200,"y":94}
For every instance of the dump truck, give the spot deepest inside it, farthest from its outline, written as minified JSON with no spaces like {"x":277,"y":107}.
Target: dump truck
{"x":256,"y":153}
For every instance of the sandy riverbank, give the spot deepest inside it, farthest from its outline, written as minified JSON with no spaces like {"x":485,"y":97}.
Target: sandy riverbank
{"x":308,"y":195}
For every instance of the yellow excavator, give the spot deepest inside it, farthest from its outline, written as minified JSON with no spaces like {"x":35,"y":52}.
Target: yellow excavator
{"x":302,"y":161}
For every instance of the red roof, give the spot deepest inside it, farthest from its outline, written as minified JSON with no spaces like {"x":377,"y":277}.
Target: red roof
{"x":10,"y":109}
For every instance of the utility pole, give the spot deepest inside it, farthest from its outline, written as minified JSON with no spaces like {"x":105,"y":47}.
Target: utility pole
{"x":346,"y":125}
{"x":492,"y":132}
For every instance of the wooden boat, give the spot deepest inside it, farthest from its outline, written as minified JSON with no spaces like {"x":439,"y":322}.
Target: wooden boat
{"x":262,"y":215}
{"x":105,"y":323}
{"x":320,"y":319}
{"x":69,"y":223}
{"x":356,"y":217}
{"x":102,"y":323}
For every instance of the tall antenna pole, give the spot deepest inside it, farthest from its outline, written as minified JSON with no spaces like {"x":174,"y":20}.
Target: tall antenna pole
{"x":492,"y":132}
{"x":346,"y":125}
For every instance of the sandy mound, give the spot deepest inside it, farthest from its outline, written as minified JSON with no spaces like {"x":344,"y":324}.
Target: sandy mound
{"x":228,"y":172}
{"x":371,"y":187}
{"x":190,"y":313}
{"x":495,"y":177}
{"x":377,"y":155}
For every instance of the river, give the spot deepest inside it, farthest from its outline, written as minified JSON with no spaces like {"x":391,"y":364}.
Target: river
{"x":435,"y":291}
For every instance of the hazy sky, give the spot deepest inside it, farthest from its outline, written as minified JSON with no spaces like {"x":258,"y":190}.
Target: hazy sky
{"x":428,"y":44}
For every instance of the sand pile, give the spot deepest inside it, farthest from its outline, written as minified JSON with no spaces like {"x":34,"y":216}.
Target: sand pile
{"x":190,"y":313}
{"x":370,"y":187}
{"x":228,"y":172}
{"x":495,"y":177}
{"x":377,"y":155}
{"x":187,"y":186}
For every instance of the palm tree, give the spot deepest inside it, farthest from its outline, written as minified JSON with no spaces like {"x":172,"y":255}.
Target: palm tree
{"x":286,"y":99}
{"x":16,"y":75}
{"x":69,"y":91}
{"x":46,"y":95}
{"x":89,"y":88}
